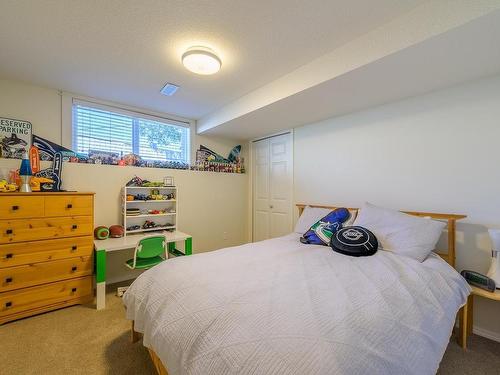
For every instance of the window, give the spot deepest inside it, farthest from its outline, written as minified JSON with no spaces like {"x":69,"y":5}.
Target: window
{"x":99,"y":128}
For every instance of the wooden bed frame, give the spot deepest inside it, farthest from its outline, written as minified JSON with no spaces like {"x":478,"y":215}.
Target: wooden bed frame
{"x":448,"y":256}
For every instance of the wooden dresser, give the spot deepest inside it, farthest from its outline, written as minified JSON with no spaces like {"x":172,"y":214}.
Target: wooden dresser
{"x":46,"y":252}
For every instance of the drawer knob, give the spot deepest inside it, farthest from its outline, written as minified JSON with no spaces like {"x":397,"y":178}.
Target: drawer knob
{"x":8,"y":304}
{"x":69,"y":205}
{"x":74,"y":226}
{"x":73,"y":290}
{"x":8,"y":280}
{"x":15,"y":208}
{"x":8,"y":231}
{"x":74,"y":268}
{"x":73,"y":248}
{"x":9,"y":256}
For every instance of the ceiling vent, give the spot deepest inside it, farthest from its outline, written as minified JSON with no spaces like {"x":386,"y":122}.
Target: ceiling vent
{"x":169,"y":89}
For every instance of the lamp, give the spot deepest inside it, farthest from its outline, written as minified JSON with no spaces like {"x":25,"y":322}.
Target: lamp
{"x":494,"y":271}
{"x":25,"y":174}
{"x":201,"y":60}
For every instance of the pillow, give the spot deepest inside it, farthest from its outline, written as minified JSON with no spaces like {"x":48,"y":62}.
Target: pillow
{"x":321,"y":231}
{"x":354,"y":241}
{"x":350,"y":221}
{"x":311,"y":215}
{"x":401,"y":233}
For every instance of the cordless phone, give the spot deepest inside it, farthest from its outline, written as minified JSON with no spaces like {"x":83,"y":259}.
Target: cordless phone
{"x":479,"y":280}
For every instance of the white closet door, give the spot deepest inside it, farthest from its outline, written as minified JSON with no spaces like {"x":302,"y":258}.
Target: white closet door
{"x":272,"y":187}
{"x":261,"y":191}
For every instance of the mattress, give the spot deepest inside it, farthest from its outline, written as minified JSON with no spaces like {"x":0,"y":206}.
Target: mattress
{"x":283,"y":307}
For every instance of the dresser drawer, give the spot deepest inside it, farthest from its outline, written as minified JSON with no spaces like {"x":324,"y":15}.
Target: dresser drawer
{"x":14,"y":207}
{"x":69,"y":205}
{"x":17,"y":301}
{"x":43,"y":273}
{"x":17,"y":254}
{"x":40,"y":229}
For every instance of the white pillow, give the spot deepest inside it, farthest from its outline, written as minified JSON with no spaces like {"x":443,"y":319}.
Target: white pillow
{"x":311,"y":215}
{"x":401,"y":233}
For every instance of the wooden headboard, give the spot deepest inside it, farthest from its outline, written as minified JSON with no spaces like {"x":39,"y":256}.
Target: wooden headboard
{"x":450,"y":219}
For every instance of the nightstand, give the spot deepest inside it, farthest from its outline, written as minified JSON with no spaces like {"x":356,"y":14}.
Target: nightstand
{"x":467,"y":313}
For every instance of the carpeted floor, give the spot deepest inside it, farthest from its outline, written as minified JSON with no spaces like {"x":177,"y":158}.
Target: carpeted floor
{"x":81,"y":340}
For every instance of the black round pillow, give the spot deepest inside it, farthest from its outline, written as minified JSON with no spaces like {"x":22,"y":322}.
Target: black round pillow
{"x":354,"y":241}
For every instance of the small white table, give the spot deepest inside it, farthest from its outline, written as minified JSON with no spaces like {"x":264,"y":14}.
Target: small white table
{"x":129,"y":242}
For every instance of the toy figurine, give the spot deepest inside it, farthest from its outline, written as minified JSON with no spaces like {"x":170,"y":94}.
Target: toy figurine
{"x":6,"y":187}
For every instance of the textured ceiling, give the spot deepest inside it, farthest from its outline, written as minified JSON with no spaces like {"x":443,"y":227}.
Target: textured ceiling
{"x":465,"y":53}
{"x":125,"y":51}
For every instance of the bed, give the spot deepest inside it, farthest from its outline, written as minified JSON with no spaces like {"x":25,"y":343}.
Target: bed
{"x":282,"y":307}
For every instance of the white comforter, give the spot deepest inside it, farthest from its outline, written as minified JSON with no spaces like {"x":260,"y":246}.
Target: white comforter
{"x":281,"y":307}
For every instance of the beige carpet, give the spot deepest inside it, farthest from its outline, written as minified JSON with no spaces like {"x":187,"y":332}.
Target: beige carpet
{"x":81,"y":340}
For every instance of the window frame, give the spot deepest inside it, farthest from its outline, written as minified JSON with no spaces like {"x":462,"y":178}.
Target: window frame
{"x":69,"y":100}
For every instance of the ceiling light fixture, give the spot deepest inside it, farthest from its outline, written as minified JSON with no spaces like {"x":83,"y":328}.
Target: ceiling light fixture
{"x":201,"y":60}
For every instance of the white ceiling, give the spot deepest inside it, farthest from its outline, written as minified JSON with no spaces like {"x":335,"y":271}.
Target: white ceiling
{"x":465,"y":53}
{"x":126,"y":50}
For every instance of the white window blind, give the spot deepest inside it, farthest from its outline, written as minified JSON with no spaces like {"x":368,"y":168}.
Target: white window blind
{"x":108,"y":129}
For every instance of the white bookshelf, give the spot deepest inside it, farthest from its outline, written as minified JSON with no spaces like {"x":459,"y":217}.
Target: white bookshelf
{"x":165,"y":220}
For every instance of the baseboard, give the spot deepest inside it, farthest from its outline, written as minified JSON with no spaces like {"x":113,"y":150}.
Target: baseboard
{"x":495,"y":336}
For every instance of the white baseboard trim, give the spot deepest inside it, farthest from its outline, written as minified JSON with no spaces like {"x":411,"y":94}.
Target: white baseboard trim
{"x":495,"y":336}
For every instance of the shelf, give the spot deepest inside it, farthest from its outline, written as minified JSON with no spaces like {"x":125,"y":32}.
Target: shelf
{"x":160,"y":229}
{"x":152,"y":201}
{"x":151,"y":187}
{"x":150,"y":215}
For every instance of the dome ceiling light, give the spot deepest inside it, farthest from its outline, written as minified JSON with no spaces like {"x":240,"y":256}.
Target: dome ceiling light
{"x":201,"y":60}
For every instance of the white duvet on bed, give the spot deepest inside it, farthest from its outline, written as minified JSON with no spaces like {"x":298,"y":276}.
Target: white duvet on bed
{"x":282,"y":307}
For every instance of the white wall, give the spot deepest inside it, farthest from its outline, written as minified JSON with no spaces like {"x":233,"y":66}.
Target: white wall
{"x":213,"y":207}
{"x":438,"y":152}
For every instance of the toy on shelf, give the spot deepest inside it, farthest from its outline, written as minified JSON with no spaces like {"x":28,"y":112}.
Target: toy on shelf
{"x":36,"y":182}
{"x":149,"y":224}
{"x":135,"y":181}
{"x":155,"y":195}
{"x":139,"y":182}
{"x":5,"y":187}
{"x":143,"y":201}
{"x":210,"y":161}
{"x":152,"y":184}
{"x":156,"y":212}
